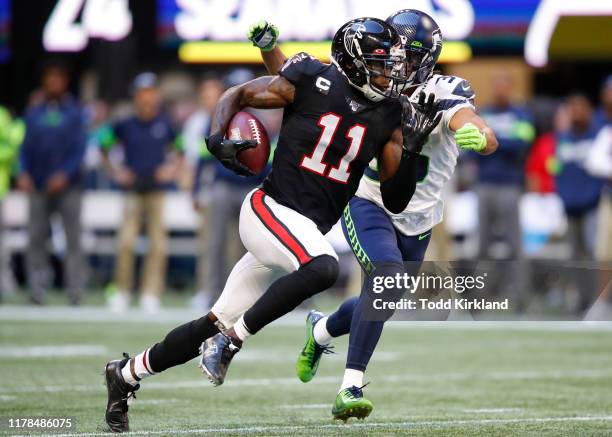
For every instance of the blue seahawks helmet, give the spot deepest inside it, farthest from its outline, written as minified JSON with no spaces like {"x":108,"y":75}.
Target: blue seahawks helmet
{"x":422,"y":41}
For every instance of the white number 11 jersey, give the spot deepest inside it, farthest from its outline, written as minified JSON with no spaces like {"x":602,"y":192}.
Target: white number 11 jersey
{"x":437,"y":161}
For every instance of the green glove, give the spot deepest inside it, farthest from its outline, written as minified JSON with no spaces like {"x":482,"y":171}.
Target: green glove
{"x":469,"y":137}
{"x":263,"y":35}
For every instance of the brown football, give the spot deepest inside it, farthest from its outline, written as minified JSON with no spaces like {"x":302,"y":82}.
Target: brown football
{"x":245,"y":126}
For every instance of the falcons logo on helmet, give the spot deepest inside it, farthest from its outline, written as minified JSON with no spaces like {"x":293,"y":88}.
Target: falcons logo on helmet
{"x":351,"y":33}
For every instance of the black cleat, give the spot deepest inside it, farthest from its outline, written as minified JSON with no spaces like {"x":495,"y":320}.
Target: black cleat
{"x":217,"y":353}
{"x":119,"y":392}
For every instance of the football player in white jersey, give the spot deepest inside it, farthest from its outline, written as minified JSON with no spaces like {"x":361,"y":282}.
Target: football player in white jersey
{"x":382,"y":241}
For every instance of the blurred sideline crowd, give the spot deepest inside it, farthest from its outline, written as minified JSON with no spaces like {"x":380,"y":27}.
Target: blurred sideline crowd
{"x":548,"y":183}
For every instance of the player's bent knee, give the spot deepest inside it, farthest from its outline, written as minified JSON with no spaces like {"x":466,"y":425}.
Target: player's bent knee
{"x":323,"y":271}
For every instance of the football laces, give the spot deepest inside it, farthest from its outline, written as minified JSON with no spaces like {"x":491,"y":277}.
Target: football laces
{"x":255,"y":130}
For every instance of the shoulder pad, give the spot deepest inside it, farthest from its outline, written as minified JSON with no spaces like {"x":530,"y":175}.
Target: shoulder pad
{"x":451,"y":87}
{"x":300,"y":66}
{"x":450,"y":91}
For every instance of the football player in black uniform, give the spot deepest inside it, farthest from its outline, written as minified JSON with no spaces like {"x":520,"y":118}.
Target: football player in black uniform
{"x":384,"y":242}
{"x":337,"y":118}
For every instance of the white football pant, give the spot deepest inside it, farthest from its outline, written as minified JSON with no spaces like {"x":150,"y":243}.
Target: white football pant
{"x":279,"y":240}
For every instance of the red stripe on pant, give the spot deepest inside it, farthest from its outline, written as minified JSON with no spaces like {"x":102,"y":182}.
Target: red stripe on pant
{"x":277,"y":228}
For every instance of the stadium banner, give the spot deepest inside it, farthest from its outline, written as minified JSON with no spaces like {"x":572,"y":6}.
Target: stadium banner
{"x":506,"y":27}
{"x":214,"y":31}
{"x":488,"y":22}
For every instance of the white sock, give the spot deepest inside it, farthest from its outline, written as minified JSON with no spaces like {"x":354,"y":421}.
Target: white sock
{"x":351,"y":378}
{"x":137,"y":368}
{"x":241,"y":330}
{"x":320,"y":332}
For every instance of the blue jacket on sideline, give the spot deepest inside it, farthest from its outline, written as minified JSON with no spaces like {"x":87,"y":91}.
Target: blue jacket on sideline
{"x":578,"y":190}
{"x":54,"y":142}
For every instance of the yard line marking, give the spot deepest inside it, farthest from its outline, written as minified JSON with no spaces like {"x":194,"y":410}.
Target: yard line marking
{"x":492,"y":410}
{"x":55,"y":351}
{"x":257,"y":382}
{"x":366,"y":425}
{"x":94,"y":314}
{"x":7,"y":398}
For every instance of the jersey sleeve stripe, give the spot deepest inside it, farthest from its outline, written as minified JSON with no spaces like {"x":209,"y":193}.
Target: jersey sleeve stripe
{"x":277,"y":228}
{"x":445,"y":104}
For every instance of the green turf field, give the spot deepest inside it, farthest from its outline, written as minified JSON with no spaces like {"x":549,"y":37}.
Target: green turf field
{"x":425,"y":381}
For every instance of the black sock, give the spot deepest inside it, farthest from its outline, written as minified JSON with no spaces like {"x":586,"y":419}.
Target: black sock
{"x":291,"y":290}
{"x":181,"y":344}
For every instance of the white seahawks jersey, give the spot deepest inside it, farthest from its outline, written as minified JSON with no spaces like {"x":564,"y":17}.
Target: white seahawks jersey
{"x":437,"y":162}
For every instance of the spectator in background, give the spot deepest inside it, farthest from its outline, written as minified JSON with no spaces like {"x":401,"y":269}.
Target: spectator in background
{"x":500,"y":177}
{"x":152,"y":157}
{"x":11,"y":137}
{"x":539,"y":168}
{"x":599,"y":164}
{"x":224,"y":193}
{"x":98,"y":114}
{"x":578,"y":190}
{"x":542,"y":165}
{"x":51,"y":158}
{"x":603,"y":115}
{"x":196,"y":128}
{"x":198,"y":124}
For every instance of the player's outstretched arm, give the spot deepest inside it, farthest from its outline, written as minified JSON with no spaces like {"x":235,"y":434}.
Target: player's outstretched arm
{"x":273,"y":60}
{"x":399,"y":157}
{"x":266,"y":92}
{"x":472,"y":133}
{"x":264,"y":34}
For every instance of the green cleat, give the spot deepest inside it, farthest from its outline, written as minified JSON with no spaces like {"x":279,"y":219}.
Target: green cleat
{"x":351,"y":403}
{"x":310,"y":356}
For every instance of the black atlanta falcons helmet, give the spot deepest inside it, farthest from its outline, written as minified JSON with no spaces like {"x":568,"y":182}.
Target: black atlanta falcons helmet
{"x":366,"y":48}
{"x":422,"y":41}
